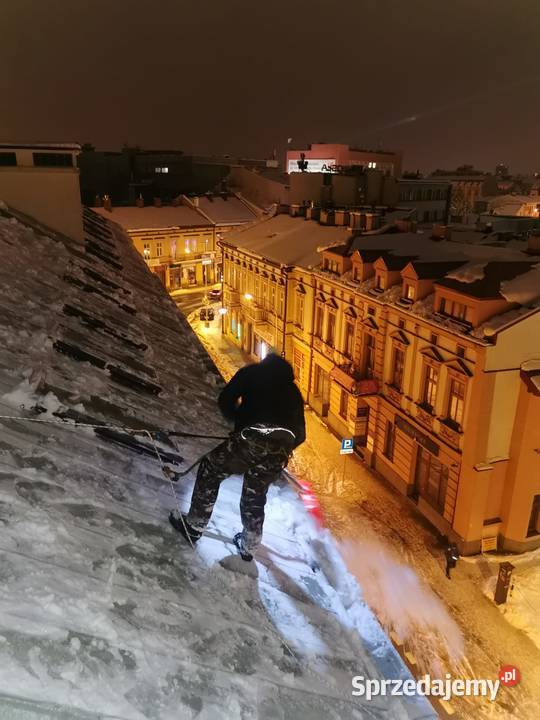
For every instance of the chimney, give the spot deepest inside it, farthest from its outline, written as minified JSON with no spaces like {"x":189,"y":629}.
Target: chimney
{"x":107,"y":204}
{"x":157,"y":202}
{"x":175,"y":202}
{"x":139,"y":202}
{"x":97,"y":201}
{"x":195,"y":201}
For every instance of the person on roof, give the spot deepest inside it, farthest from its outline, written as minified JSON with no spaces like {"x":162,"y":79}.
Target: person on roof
{"x":268,"y":414}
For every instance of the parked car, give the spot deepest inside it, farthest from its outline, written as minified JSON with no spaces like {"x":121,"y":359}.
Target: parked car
{"x":207,"y":313}
{"x":214,"y":294}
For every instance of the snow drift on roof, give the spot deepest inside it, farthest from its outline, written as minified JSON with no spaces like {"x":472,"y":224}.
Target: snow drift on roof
{"x":523,"y":289}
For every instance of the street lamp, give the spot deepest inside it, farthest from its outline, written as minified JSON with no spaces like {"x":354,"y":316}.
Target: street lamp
{"x":248,"y":296}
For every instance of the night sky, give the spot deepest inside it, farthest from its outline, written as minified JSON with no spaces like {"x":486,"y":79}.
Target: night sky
{"x":447,"y":82}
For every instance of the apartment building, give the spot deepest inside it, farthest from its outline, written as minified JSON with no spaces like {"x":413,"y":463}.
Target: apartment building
{"x":425,"y":351}
{"x":330,"y":157}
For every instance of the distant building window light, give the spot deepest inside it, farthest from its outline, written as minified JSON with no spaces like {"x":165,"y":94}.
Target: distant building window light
{"x":42,"y":159}
{"x":146,"y":251}
{"x":8,"y":159}
{"x":159,"y":249}
{"x":161,"y":169}
{"x":372,"y":164}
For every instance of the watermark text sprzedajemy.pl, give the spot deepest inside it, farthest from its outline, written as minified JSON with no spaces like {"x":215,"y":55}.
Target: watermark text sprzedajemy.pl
{"x":444,"y":689}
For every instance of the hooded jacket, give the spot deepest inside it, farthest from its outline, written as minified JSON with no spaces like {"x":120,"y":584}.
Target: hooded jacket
{"x":265,"y":393}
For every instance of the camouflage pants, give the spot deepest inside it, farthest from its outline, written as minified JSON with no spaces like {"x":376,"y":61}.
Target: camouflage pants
{"x":260,"y":460}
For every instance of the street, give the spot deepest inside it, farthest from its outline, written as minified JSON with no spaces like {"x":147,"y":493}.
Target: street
{"x":397,"y":556}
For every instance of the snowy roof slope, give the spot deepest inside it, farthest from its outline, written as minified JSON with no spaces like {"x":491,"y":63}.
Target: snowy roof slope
{"x":104,"y":612}
{"x":288,"y":240}
{"x":226,"y":211}
{"x":153,"y":218}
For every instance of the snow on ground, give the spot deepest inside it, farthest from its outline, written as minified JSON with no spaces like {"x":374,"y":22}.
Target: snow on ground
{"x":397,"y":558}
{"x":105,"y":612}
{"x":523,"y":604}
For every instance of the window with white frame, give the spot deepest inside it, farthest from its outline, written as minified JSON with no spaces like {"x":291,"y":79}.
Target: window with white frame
{"x":299,"y":310}
{"x":431,"y":382}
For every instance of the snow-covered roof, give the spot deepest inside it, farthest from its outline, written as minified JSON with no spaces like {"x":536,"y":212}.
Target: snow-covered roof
{"x":226,"y":211}
{"x":154,"y":218}
{"x":104,"y":611}
{"x":289,"y":241}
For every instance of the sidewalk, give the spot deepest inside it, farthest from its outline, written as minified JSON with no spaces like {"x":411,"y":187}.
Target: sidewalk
{"x":397,"y":557}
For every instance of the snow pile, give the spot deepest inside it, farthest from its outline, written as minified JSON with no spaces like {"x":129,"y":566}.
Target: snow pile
{"x":524,"y":288}
{"x":468,"y":273}
{"x":494,"y":324}
{"x":405,"y":605}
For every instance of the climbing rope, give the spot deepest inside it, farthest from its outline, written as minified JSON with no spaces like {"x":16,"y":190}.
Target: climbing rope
{"x":168,"y":474}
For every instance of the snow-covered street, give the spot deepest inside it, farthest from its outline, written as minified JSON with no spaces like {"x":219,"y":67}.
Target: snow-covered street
{"x":398,"y":559}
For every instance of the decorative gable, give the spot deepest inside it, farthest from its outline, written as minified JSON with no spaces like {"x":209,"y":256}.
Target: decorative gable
{"x":432,"y":353}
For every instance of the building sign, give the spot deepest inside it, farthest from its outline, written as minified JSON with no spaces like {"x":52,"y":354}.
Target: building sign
{"x":347,"y":446}
{"x":206,"y":259}
{"x":415,"y":434}
{"x":314,"y":166}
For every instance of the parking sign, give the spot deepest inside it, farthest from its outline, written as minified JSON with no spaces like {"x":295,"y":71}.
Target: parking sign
{"x":347,"y":446}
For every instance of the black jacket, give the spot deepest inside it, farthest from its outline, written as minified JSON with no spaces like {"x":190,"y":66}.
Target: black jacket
{"x":265,"y":393}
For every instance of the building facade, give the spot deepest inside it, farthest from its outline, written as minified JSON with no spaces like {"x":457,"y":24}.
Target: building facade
{"x":430,"y":199}
{"x":429,"y":363}
{"x":42,"y":180}
{"x":329,"y":157}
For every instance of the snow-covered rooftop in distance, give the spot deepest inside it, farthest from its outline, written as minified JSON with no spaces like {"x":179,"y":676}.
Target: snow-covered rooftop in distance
{"x":226,"y":211}
{"x":153,"y":218}
{"x":105,"y":613}
{"x":288,"y":241}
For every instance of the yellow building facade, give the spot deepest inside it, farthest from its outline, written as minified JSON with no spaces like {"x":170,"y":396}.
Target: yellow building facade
{"x":442,"y":411}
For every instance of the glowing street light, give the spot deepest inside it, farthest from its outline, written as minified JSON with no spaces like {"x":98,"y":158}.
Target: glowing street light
{"x":222,"y":311}
{"x":248,"y":296}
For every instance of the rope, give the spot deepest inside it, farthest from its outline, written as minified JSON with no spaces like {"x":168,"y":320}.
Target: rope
{"x":109,"y":426}
{"x":167,"y":473}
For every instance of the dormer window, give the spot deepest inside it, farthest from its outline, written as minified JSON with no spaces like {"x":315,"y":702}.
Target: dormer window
{"x":408,"y":291}
{"x":379,"y":282}
{"x":454,"y":309}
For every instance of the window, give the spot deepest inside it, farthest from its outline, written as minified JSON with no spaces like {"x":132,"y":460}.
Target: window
{"x":379,"y":282}
{"x":454,"y":309}
{"x":389,"y":440}
{"x":318,"y":321}
{"x":8,"y":159}
{"x":456,"y":401}
{"x":398,"y":364}
{"x":409,"y":291}
{"x":371,"y":310}
{"x":401,"y":324}
{"x":146,"y":251}
{"x":431,"y":380}
{"x":264,"y":296}
{"x":272,"y":297}
{"x":460,"y":352}
{"x":534,"y":519}
{"x":434,"y":339}
{"x":159,"y":249}
{"x":161,"y":169}
{"x":348,"y":341}
{"x":299,"y":310}
{"x":298,"y":362}
{"x":281,"y":303}
{"x":369,"y":355}
{"x":190,"y":245}
{"x":330,"y":329}
{"x":42,"y":159}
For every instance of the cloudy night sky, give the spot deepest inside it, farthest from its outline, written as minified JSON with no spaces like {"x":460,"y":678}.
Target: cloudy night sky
{"x":445,"y":82}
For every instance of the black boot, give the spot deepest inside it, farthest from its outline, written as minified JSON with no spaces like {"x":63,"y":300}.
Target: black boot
{"x":237,"y":540}
{"x":184,"y":528}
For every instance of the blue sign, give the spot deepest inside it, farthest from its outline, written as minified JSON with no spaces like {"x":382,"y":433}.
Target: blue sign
{"x":347,"y":446}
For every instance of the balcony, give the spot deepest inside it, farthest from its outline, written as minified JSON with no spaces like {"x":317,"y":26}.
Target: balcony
{"x":351,"y":379}
{"x":424,"y":417}
{"x":231,"y":297}
{"x":451,"y":436}
{"x":252,"y":310}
